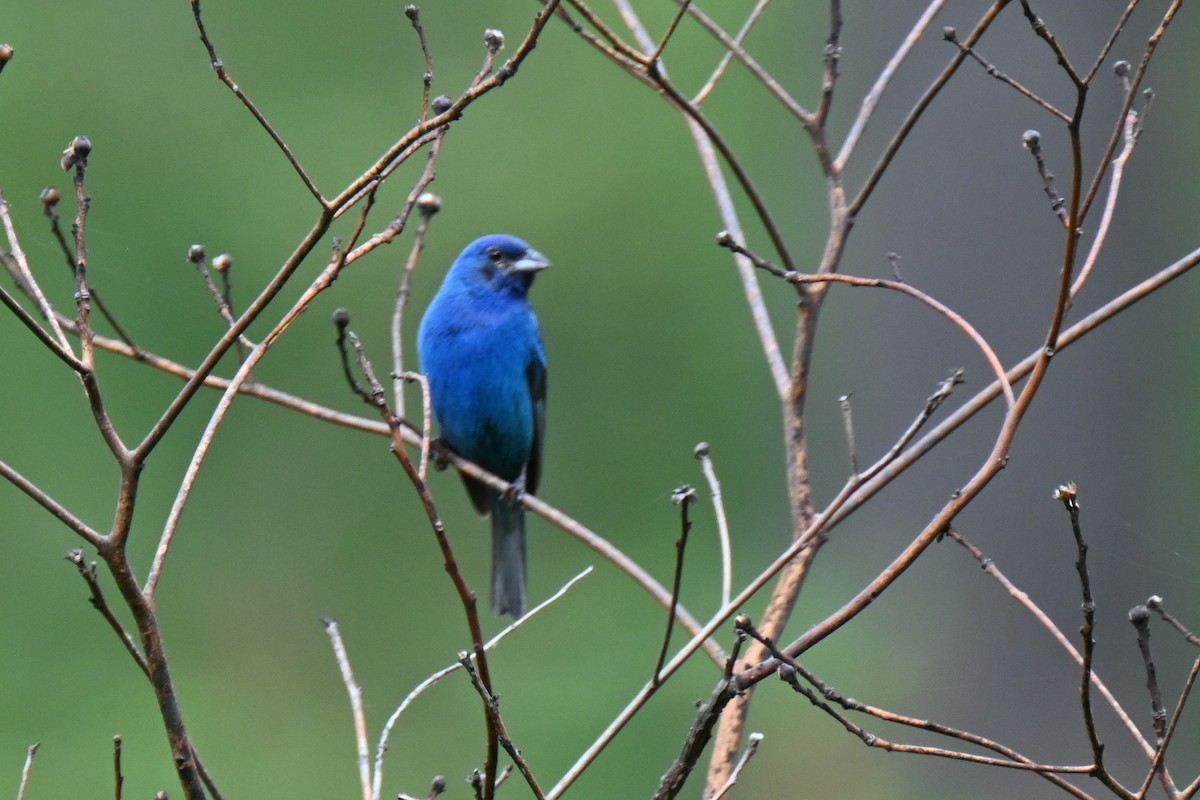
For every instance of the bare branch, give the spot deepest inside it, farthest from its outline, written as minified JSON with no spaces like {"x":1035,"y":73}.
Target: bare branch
{"x":703,"y":453}
{"x":225,"y":78}
{"x":31,"y":753}
{"x":356,"y":705}
{"x":684,"y":496}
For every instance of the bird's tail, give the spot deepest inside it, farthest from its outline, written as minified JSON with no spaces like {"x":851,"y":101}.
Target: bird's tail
{"x":508,"y":558}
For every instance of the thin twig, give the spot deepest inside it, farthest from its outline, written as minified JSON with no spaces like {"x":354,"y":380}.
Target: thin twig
{"x":1112,"y":39}
{"x":1132,"y":128}
{"x":414,"y":17}
{"x":356,"y":705}
{"x":871,"y":100}
{"x":196,"y":257}
{"x":1068,"y":494}
{"x":1033,"y":143}
{"x":748,"y":25}
{"x":848,"y":425}
{"x":985,"y":396}
{"x":703,"y":454}
{"x":950,"y":35}
{"x":1139,"y":616}
{"x":24,"y":276}
{"x":733,"y":48}
{"x":1155,"y":604}
{"x":50,"y":198}
{"x":64,"y":354}
{"x":752,"y":743}
{"x":684,"y":496}
{"x":1043,"y":33}
{"x":799,"y":278}
{"x":118,"y":778}
{"x":833,"y":55}
{"x":27,"y":770}
{"x":1161,"y":753}
{"x":492,"y":704}
{"x":993,"y":570}
{"x":1131,"y":96}
{"x":428,"y":204}
{"x":436,"y":677}
{"x":788,"y":673}
{"x":225,"y":78}
{"x":684,"y":5}
{"x":918,"y":110}
{"x":88,"y":573}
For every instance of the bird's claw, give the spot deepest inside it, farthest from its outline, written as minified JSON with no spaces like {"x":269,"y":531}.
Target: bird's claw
{"x":515,"y":491}
{"x":439,"y":452}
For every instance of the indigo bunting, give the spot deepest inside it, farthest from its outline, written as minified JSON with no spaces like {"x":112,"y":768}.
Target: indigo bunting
{"x":482,"y":351}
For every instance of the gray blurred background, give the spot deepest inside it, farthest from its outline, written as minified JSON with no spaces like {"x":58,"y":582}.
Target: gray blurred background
{"x":651,"y":351}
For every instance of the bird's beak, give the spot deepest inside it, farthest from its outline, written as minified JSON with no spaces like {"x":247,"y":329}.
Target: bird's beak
{"x":532,"y":261}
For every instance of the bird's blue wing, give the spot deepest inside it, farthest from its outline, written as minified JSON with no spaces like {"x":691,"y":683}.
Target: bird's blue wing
{"x":535,"y":373}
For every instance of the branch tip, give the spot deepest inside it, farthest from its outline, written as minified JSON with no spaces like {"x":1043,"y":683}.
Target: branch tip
{"x":429,"y":204}
{"x":494,"y":39}
{"x":1068,"y":493}
{"x":76,"y":154}
{"x":684,"y":494}
{"x":49,"y":198}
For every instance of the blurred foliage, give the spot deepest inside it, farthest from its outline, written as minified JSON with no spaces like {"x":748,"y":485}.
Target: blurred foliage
{"x":650,"y":351}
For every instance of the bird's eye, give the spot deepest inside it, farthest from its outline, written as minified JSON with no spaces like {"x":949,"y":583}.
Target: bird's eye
{"x":495,"y":254}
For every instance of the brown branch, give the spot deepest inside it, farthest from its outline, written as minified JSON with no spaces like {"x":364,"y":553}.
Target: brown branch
{"x":919,"y":109}
{"x":59,"y":511}
{"x":993,"y":570}
{"x":1131,"y":96}
{"x":950,"y":35}
{"x":492,"y":704}
{"x":225,"y":78}
{"x":88,"y":573}
{"x":684,"y":496}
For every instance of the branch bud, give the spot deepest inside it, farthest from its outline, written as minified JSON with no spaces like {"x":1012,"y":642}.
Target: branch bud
{"x":76,"y":153}
{"x":429,"y":204}
{"x":49,"y":198}
{"x":494,"y":40}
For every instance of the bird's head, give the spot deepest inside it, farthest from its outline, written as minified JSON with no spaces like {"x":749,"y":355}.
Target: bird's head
{"x":498,"y":263}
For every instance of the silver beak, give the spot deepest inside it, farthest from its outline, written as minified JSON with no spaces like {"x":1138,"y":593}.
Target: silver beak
{"x":532,"y":261}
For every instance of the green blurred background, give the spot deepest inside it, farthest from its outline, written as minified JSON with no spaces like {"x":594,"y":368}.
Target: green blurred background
{"x":651,"y":351}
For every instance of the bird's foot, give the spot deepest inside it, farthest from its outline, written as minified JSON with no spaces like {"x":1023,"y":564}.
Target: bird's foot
{"x":515,"y":491}
{"x":439,"y":452}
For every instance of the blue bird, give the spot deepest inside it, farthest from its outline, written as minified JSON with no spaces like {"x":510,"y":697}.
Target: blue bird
{"x":482,"y":351}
